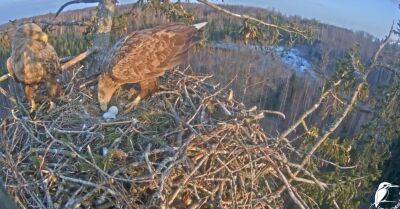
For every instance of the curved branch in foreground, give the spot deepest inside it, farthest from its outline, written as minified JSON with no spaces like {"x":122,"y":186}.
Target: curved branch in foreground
{"x":382,"y":45}
{"x":246,"y":17}
{"x":75,"y":2}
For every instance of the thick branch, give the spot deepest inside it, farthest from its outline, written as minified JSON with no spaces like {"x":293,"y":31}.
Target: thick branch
{"x":77,"y":59}
{"x":102,"y":39}
{"x":63,"y":23}
{"x":381,"y":46}
{"x":74,"y":2}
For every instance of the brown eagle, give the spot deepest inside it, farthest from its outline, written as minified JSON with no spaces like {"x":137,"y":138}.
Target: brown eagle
{"x":143,"y":56}
{"x":33,"y":61}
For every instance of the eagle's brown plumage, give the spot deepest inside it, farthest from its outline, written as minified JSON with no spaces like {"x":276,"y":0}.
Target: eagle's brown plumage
{"x":143,"y":56}
{"x":33,"y":61}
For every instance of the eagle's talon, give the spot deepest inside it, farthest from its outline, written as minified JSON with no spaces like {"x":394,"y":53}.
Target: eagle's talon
{"x":129,"y":107}
{"x":132,"y":92}
{"x":33,"y":107}
{"x":162,"y":87}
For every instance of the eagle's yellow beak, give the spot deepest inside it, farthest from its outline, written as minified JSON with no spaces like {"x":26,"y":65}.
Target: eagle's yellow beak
{"x":103,"y":106}
{"x":44,"y":37}
{"x":41,"y":36}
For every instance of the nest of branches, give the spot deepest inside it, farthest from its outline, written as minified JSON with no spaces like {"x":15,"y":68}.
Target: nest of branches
{"x":190,"y":145}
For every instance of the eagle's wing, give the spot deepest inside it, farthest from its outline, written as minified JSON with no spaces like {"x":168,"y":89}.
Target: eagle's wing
{"x":50,"y":60}
{"x":34,"y":61}
{"x":147,"y":54}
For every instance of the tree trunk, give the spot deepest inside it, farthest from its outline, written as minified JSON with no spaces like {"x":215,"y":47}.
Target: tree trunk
{"x":102,"y":36}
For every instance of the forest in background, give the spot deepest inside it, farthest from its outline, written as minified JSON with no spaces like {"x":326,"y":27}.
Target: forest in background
{"x":264,"y":80}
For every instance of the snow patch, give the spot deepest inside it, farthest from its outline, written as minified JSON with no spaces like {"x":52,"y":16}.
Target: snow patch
{"x":199,"y":26}
{"x":290,"y":57}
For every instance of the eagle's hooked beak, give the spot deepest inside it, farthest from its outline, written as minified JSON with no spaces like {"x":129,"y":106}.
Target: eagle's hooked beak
{"x":105,"y":90}
{"x":103,"y":106}
{"x":40,"y":36}
{"x":44,"y":37}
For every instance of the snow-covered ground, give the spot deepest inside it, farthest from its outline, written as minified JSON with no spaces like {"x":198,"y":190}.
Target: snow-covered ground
{"x":290,"y":57}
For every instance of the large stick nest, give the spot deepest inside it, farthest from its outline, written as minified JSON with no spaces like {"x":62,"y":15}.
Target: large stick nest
{"x":190,"y":145}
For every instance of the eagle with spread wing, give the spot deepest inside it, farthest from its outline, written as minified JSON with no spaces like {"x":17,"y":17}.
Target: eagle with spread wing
{"x":33,"y":62}
{"x":143,"y":56}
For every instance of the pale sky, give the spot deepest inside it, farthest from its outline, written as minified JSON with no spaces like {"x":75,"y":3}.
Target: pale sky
{"x":372,"y":16}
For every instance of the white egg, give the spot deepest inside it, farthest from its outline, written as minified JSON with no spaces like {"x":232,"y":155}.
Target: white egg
{"x":113,"y":110}
{"x":108,"y":115}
